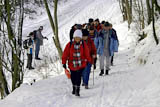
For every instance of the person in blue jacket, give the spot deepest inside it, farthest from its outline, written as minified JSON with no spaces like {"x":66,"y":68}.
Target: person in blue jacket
{"x":115,"y":38}
{"x":106,"y":45}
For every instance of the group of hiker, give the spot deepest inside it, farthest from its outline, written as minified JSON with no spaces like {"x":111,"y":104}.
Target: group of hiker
{"x":34,"y":40}
{"x":86,"y":42}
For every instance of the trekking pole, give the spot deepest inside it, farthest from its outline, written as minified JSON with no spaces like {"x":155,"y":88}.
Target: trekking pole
{"x":93,"y":75}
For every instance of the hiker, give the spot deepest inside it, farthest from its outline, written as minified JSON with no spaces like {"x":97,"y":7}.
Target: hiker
{"x":76,"y":53}
{"x":92,"y":33}
{"x":103,"y":44}
{"x":92,"y":50}
{"x":39,"y":42}
{"x":115,"y":37}
{"x":102,"y":24}
{"x":91,"y":21}
{"x":30,"y":43}
{"x":97,"y":25}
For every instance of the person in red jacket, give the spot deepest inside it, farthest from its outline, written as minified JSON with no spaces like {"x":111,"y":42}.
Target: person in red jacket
{"x":97,"y":25}
{"x":76,"y":53}
{"x":92,"y":52}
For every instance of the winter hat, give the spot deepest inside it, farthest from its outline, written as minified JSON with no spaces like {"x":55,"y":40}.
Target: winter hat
{"x":85,"y":32}
{"x":77,"y":33}
{"x":97,"y":20}
{"x":90,"y":20}
{"x":41,"y":28}
{"x":103,"y":22}
{"x":107,"y":24}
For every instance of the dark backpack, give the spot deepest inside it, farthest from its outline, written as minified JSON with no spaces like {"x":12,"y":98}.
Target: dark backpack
{"x":35,"y":35}
{"x":25,"y":44}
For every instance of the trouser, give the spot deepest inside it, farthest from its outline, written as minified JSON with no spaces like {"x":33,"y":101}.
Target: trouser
{"x":29,"y":61}
{"x":86,"y":74}
{"x":76,"y":77}
{"x":112,"y":59}
{"x":106,"y":59}
{"x":37,"y":49}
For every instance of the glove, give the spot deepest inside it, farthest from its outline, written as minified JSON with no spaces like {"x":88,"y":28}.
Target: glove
{"x":46,"y":38}
{"x":64,"y":66}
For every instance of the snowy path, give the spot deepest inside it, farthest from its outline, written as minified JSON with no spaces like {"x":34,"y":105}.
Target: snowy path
{"x":124,"y":87}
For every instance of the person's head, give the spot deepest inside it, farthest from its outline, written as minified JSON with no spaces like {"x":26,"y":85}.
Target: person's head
{"x":41,"y":28}
{"x":31,"y":34}
{"x":102,"y":24}
{"x":90,"y":20}
{"x":77,"y":35}
{"x":96,"y":22}
{"x":91,"y":30}
{"x":85,"y":34}
{"x":111,"y":26}
{"x":106,"y":26}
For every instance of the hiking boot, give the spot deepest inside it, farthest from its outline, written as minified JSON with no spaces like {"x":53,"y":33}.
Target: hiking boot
{"x":101,"y":73}
{"x":83,"y":84}
{"x":112,"y":64}
{"x":77,"y":91}
{"x":107,"y":72}
{"x":74,"y":90}
{"x":86,"y":87}
{"x":31,"y":68}
{"x":38,"y":58}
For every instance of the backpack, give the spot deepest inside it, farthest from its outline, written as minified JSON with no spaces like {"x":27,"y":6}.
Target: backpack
{"x":35,"y":35}
{"x":25,"y":44}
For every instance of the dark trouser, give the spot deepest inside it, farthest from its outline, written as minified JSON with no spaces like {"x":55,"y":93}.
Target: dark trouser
{"x":76,"y":77}
{"x":37,"y":49}
{"x":112,"y":59}
{"x":29,"y":61}
{"x":86,"y":74}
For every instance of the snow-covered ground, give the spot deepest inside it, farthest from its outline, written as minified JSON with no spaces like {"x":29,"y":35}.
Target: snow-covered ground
{"x":133,"y":81}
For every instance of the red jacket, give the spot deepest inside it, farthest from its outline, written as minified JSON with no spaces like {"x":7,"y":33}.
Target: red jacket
{"x":92,"y":49}
{"x":68,"y":56}
{"x":98,"y":28}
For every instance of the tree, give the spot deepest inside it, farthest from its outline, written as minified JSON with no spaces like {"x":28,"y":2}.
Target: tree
{"x":54,"y":25}
{"x":153,"y":22}
{"x":149,"y":11}
{"x":11,"y":44}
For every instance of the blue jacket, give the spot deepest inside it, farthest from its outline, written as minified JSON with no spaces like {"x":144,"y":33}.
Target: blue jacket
{"x":113,"y":43}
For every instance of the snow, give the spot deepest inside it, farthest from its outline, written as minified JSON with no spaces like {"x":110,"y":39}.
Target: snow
{"x":133,"y":81}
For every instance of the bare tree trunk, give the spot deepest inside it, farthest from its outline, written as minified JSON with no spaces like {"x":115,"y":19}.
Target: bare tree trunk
{"x":149,"y":11}
{"x":54,"y":25}
{"x":153,"y":23}
{"x":129,"y":13}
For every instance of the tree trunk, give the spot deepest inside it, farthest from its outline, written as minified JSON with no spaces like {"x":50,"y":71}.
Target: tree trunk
{"x":149,"y":11}
{"x":54,"y":25}
{"x":153,"y":23}
{"x":129,"y":15}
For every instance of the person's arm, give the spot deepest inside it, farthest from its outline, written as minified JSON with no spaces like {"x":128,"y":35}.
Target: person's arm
{"x":87,"y":54}
{"x":65,"y":54}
